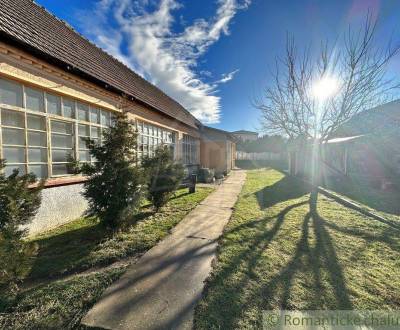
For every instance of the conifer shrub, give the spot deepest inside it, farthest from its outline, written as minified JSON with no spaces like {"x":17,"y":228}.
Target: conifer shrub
{"x":19,"y":202}
{"x":115,"y":181}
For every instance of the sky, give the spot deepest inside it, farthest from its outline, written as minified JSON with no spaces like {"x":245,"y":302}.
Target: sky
{"x":216,"y":56}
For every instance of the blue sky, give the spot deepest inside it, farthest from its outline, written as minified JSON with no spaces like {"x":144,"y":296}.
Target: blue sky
{"x":214,"y":56}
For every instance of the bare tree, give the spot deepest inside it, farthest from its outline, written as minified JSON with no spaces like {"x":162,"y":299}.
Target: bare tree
{"x":310,"y":97}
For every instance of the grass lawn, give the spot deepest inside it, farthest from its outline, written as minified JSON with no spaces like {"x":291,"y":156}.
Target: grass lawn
{"x":275,"y":255}
{"x":370,"y":196}
{"x":85,"y":245}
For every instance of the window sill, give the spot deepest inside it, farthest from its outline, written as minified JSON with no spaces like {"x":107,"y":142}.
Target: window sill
{"x":62,"y":181}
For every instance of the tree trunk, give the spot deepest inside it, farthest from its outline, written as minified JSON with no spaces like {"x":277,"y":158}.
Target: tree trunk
{"x":315,"y":177}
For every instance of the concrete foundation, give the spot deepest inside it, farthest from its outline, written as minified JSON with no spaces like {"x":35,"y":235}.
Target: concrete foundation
{"x":59,"y":206}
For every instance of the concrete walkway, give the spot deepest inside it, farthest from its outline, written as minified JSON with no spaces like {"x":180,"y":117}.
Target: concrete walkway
{"x":161,"y":290}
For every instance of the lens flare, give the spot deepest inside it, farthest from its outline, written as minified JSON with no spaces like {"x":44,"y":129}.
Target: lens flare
{"x":325,"y":88}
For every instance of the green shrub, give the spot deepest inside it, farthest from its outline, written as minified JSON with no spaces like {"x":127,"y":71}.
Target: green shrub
{"x":206,"y":175}
{"x":115,"y":184}
{"x":18,"y":205}
{"x":163,"y":176}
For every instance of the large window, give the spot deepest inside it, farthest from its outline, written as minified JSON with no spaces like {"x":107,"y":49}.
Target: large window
{"x":151,"y":136}
{"x":189,"y":150}
{"x":40,"y":131}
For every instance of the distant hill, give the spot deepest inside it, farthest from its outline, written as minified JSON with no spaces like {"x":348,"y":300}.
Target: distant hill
{"x":383,"y":119}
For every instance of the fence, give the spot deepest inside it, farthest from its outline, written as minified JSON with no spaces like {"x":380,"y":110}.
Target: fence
{"x":242,"y":155}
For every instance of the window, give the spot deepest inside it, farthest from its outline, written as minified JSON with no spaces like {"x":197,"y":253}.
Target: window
{"x":83,"y":111}
{"x":68,"y":108}
{"x":13,"y":141}
{"x":10,"y":93}
{"x":151,"y":136}
{"x":189,"y":150}
{"x":53,"y":104}
{"x":34,"y":99}
{"x":42,"y":137}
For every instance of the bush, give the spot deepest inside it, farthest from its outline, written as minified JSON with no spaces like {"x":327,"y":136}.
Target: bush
{"x":163,"y":176}
{"x":206,"y":175}
{"x":18,"y":205}
{"x":115,"y":184}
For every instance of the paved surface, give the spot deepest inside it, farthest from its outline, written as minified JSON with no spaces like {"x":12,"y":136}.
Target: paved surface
{"x":161,"y":290}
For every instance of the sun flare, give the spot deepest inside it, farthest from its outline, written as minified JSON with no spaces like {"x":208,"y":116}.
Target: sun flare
{"x":325,"y":88}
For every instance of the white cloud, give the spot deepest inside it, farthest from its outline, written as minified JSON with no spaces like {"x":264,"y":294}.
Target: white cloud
{"x":227,"y":77}
{"x":167,"y":59}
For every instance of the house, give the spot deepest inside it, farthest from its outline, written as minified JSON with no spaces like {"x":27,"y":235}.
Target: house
{"x":217,"y":149}
{"x":246,"y":135}
{"x":56,"y":88}
{"x":366,"y":147}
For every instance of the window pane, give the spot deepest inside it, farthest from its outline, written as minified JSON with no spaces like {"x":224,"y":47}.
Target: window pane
{"x":8,"y":170}
{"x":83,"y":111}
{"x":37,"y":155}
{"x":95,"y":132}
{"x":94,"y":115}
{"x":12,"y":118}
{"x":82,"y":143}
{"x":14,"y":154}
{"x":34,"y":99}
{"x":60,"y":169}
{"x":84,"y":156}
{"x":37,"y":139}
{"x":60,"y":155}
{"x":36,"y":122}
{"x":105,"y":118}
{"x":13,"y":136}
{"x":53,"y":104}
{"x":61,"y":141}
{"x":10,"y":93}
{"x":83,"y":130}
{"x":39,"y":170}
{"x":61,"y":127}
{"x":69,"y":108}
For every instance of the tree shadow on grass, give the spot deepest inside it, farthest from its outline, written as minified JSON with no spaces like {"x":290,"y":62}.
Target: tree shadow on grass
{"x":318,"y":259}
{"x":285,"y":189}
{"x":367,"y":194}
{"x":68,"y":251}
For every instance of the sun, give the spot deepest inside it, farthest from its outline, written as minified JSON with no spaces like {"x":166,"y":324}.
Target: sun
{"x":325,"y":88}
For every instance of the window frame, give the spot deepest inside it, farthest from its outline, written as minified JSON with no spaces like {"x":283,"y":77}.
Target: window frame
{"x":48,"y":118}
{"x":190,"y":149}
{"x":155,"y":133}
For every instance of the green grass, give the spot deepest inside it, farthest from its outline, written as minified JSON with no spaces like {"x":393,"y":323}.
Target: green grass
{"x":367,"y":194}
{"x":275,"y":255}
{"x":85,"y":245}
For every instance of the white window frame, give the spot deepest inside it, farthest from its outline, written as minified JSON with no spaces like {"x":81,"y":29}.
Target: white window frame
{"x":48,"y":118}
{"x":157,"y":134}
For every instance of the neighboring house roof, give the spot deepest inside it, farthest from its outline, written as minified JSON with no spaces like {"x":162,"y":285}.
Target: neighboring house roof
{"x":383,"y":119}
{"x":206,"y":130}
{"x":32,"y":28}
{"x":245,"y":132}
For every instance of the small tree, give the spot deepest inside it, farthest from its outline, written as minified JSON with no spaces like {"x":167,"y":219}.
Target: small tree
{"x":310,"y":97}
{"x":114,"y":187}
{"x":163,"y":176}
{"x":18,"y":205}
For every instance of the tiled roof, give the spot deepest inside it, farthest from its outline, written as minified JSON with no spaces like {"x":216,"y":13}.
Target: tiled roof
{"x":382,"y":119}
{"x":27,"y":25}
